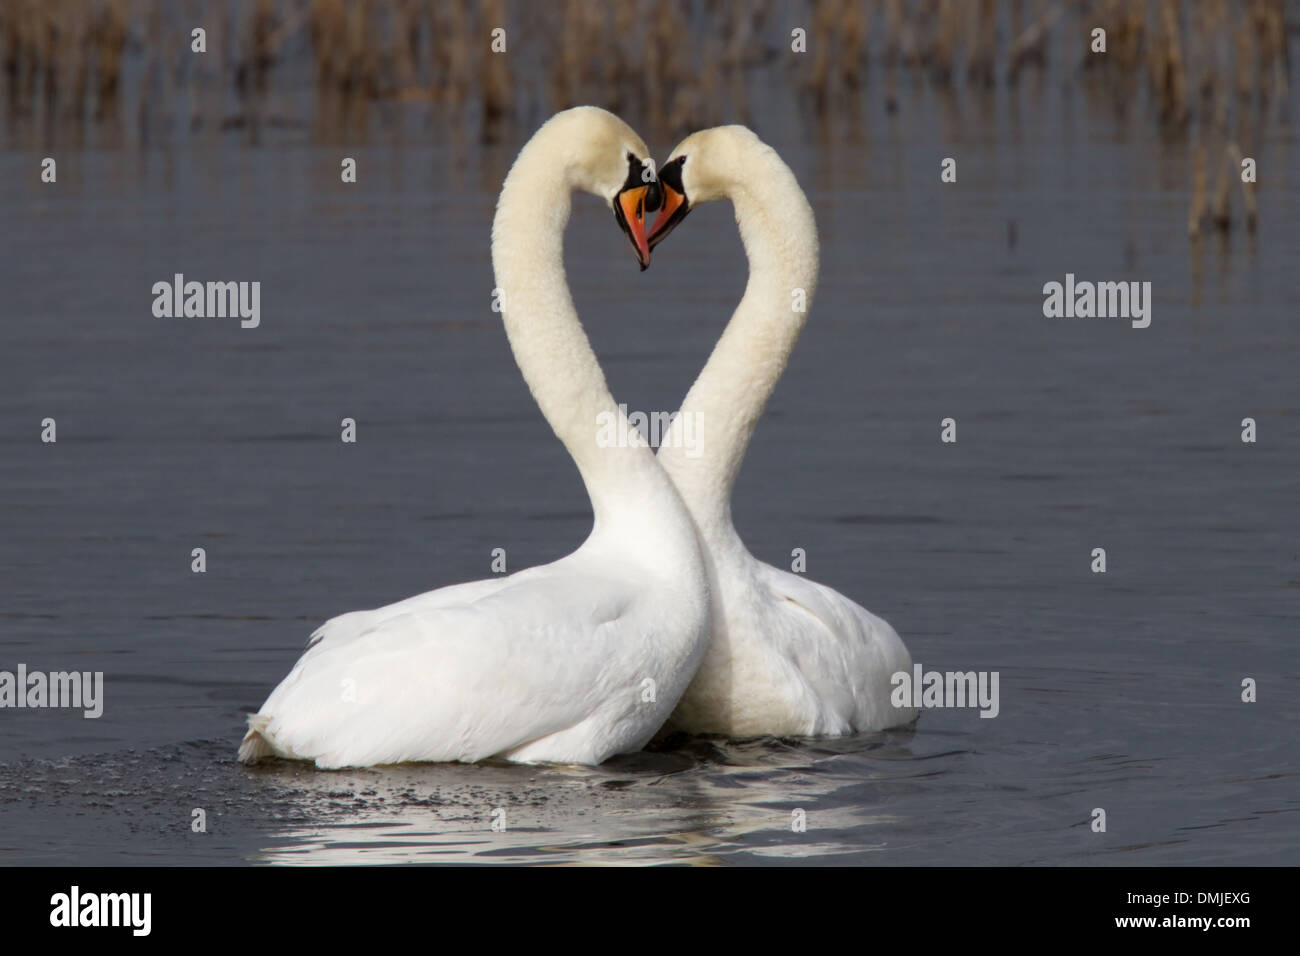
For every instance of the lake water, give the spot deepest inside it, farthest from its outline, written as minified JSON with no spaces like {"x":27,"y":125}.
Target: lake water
{"x":1119,"y":690}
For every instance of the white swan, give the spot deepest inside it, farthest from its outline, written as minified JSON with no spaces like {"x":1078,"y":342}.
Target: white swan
{"x":787,"y":656}
{"x":571,"y":662}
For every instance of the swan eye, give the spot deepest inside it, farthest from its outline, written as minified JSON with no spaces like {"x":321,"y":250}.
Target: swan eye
{"x":636,"y":168}
{"x":671,"y":174}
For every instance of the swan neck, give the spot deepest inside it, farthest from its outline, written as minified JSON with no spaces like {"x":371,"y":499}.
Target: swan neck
{"x":553,"y":352}
{"x":727,"y":400}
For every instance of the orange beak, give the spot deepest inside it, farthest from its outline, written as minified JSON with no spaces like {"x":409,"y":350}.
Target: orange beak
{"x":630,"y":212}
{"x":674,"y":210}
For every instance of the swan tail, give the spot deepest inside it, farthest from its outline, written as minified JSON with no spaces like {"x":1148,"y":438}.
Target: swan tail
{"x":255,"y":746}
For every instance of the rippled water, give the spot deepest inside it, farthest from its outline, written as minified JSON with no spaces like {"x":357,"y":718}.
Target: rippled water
{"x":1118,"y":691}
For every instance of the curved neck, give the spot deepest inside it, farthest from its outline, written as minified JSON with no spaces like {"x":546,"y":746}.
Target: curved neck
{"x":625,"y":484}
{"x":724,"y":405}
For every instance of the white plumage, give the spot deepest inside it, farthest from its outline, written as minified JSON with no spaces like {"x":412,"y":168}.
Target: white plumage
{"x":571,"y":662}
{"x":787,"y":655}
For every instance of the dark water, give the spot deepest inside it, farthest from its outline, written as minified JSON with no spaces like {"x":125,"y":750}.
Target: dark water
{"x":1119,"y":691}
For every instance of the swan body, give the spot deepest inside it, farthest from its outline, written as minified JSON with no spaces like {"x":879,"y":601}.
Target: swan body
{"x":787,"y":656}
{"x":570,"y":662}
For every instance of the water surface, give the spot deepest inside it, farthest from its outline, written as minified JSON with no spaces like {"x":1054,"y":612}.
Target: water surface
{"x":1119,"y":691}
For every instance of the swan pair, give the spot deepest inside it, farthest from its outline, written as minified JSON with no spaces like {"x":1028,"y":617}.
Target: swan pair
{"x":662,"y":618}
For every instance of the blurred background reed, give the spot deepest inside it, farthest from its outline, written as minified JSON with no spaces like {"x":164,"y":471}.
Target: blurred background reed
{"x":1211,"y":75}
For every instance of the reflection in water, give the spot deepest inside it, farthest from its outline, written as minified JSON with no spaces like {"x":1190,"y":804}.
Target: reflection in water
{"x":697,"y":805}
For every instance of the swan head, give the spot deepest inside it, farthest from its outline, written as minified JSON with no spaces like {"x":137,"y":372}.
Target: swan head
{"x":608,"y":159}
{"x":706,"y":166}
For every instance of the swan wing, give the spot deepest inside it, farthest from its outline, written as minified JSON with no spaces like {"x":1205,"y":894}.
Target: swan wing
{"x":844,"y":653}
{"x":468,"y":672}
